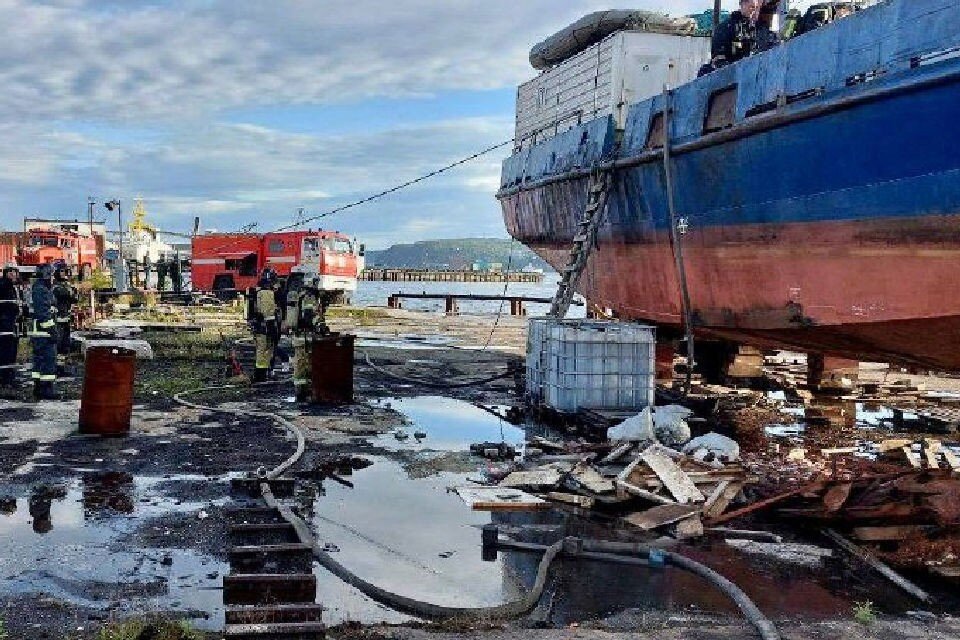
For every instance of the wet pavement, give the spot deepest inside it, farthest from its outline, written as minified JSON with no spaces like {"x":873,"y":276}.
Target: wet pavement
{"x":66,"y":542}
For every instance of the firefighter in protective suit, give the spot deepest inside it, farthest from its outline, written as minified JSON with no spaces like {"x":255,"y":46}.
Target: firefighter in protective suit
{"x":66,"y":296}
{"x":311,"y":309}
{"x":43,"y":334}
{"x":10,"y":307}
{"x":266,"y":326}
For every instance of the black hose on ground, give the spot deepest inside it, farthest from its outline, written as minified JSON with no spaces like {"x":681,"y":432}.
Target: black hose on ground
{"x":621,"y":553}
{"x":428,"y":383}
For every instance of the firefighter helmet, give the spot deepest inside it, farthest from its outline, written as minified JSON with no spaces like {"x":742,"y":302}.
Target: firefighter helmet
{"x":268,"y":278}
{"x":45,"y":271}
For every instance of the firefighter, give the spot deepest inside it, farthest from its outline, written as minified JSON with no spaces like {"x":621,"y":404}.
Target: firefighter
{"x":265,"y":324}
{"x":311,"y":307}
{"x":43,"y":334}
{"x":65,"y":295}
{"x":10,"y":307}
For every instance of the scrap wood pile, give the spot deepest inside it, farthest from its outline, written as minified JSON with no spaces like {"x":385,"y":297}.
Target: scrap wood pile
{"x":653,"y":486}
{"x":909,"y":518}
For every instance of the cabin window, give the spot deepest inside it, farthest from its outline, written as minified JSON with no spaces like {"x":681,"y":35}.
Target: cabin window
{"x":276,"y":246}
{"x":721,"y":110}
{"x":655,"y":134}
{"x":244,"y":266}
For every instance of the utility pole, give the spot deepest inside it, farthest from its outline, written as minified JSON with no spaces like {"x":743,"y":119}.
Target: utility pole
{"x":90,"y":205}
{"x":122,"y":277}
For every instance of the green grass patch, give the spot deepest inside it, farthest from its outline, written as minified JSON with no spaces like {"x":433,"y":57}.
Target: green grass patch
{"x":150,"y":630}
{"x":864,"y":614}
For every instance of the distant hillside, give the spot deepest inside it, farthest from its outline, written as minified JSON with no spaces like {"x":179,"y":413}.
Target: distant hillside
{"x":454,"y":254}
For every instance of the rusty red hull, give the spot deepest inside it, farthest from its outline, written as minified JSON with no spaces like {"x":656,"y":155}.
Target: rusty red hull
{"x":871,"y":290}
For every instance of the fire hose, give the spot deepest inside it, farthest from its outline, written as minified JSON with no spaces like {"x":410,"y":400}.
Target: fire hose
{"x":618,"y":553}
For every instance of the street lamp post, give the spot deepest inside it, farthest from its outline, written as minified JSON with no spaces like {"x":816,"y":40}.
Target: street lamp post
{"x":122,"y":273}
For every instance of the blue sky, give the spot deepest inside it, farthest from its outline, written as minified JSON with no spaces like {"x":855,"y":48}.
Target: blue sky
{"x":242,"y":111}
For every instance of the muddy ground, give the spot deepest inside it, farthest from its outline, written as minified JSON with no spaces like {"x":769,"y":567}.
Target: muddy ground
{"x":105,"y":529}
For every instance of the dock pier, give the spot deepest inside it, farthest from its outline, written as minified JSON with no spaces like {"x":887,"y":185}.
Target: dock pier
{"x":451,"y":306}
{"x":431,"y":275}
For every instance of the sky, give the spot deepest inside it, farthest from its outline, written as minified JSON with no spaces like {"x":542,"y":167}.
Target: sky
{"x":243,"y":111}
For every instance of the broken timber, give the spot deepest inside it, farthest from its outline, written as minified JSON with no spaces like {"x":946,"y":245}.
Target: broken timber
{"x":868,"y":559}
{"x":672,"y":476}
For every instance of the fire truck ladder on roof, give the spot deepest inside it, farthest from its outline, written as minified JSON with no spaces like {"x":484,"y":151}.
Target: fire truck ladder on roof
{"x":598,"y":194}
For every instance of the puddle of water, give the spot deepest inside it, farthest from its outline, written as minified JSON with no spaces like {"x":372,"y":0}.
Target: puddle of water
{"x":409,"y":536}
{"x":65,"y":546}
{"x":448,"y":425}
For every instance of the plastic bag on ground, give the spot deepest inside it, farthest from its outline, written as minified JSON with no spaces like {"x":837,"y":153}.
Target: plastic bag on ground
{"x":722,"y":447}
{"x":639,"y":428}
{"x":670,"y":425}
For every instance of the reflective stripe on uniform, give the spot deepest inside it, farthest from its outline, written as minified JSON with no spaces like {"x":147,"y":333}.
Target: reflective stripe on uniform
{"x":35,"y":375}
{"x":39,"y":334}
{"x":47,"y":324}
{"x":7,"y":333}
{"x":46,"y":377}
{"x":63,"y":320}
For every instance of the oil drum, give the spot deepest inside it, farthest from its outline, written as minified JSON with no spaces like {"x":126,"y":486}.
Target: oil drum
{"x":331,"y":367}
{"x":106,"y":404}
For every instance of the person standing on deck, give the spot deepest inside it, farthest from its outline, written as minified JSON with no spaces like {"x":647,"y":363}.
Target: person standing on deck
{"x":736,"y":38}
{"x":311,"y":323}
{"x":10,"y":305}
{"x":43,"y":334}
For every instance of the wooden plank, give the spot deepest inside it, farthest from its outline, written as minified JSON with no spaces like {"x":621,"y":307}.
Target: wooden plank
{"x":931,"y":449}
{"x":913,"y":458}
{"x":715,"y":495}
{"x":591,"y":480}
{"x":952,"y":459}
{"x":689,"y":528}
{"x":885,"y":534}
{"x":672,"y":476}
{"x":269,"y":588}
{"x":758,"y":506}
{"x":661,"y":516}
{"x":839,"y":450}
{"x":540,"y":479}
{"x":584,"y":502}
{"x":500,"y":499}
{"x":643,"y":493}
{"x":892,"y":445}
{"x":868,"y":559}
{"x":618,"y":453}
{"x":837,"y":496}
{"x":723,"y":500}
{"x":279,"y":614}
{"x":275,"y":630}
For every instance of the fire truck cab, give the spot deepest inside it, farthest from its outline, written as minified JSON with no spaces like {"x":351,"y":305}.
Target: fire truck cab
{"x":46,"y":246}
{"x":224,"y":262}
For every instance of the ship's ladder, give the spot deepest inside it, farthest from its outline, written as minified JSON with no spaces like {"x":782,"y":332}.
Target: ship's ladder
{"x":585,"y":239}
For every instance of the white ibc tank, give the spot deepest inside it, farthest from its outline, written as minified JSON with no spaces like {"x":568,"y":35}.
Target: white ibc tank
{"x":585,"y":364}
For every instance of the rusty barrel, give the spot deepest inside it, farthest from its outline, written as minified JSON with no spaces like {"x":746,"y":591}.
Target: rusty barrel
{"x":106,"y":404}
{"x":331,"y":369}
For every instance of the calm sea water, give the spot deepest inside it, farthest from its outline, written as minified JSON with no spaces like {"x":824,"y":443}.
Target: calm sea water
{"x":375,"y":294}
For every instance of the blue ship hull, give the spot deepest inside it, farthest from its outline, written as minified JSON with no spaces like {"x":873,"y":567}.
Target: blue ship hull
{"x":826,"y":218}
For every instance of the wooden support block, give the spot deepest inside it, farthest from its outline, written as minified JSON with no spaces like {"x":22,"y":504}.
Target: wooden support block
{"x":263,"y":534}
{"x":271,"y":558}
{"x":689,"y":528}
{"x":673,"y":477}
{"x":281,"y":487}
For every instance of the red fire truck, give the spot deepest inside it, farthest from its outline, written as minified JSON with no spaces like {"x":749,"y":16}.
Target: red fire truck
{"x":46,"y":246}
{"x":8,"y":248}
{"x":234,"y":261}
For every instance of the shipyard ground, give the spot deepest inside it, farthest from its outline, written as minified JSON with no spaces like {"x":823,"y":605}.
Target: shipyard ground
{"x":137,"y":524}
